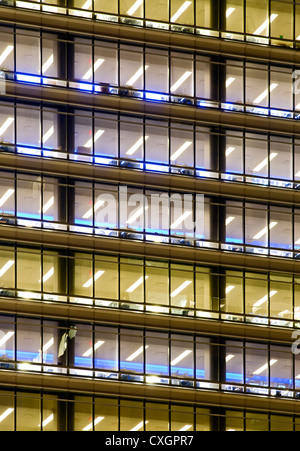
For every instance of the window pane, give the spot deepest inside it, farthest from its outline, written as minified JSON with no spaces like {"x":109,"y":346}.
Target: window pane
{"x":7,"y":408}
{"x":256,"y":292}
{"x":257,"y":365}
{"x":132,"y":353}
{"x":7,"y":337}
{"x":131,"y":416}
{"x":83,"y":413}
{"x":28,"y":413}
{"x":106,"y":414}
{"x":28,"y":343}
{"x":182,"y":418}
{"x":182,"y":359}
{"x":157,"y":417}
{"x":106,"y":350}
{"x":157,"y":357}
{"x":28,"y":52}
{"x":28,"y":272}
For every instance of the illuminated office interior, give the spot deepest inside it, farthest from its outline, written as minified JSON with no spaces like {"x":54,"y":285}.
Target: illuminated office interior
{"x":149,"y":215}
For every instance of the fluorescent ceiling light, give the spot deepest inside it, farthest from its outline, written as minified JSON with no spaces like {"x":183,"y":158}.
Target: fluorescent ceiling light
{"x":97,"y":135}
{"x":136,"y":284}
{"x":89,"y":73}
{"x":181,"y":288}
{"x":89,"y":213}
{"x":182,"y":356}
{"x":6,"y":124}
{"x":6,"y":53}
{"x":136,"y":76}
{"x":47,"y":420}
{"x":180,"y":219}
{"x":229,"y":288}
{"x":47,"y":64}
{"x":265,"y":24}
{"x":229,"y":357}
{"x":6,"y":267}
{"x":264,"y":94}
{"x":181,"y":80}
{"x":264,"y":299}
{"x":229,"y":81}
{"x":90,"y":351}
{"x":181,"y":149}
{"x":5,"y":414}
{"x":264,"y":367}
{"x":136,"y":354}
{"x":48,"y":275}
{"x":264,"y":231}
{"x":90,"y":426}
{"x":138,"y":426}
{"x":137,"y":214}
{"x":229,"y":12}
{"x":6,"y":337}
{"x":48,"y":134}
{"x":134,"y":7}
{"x":90,"y":281}
{"x":181,"y":10}
{"x":6,"y":196}
{"x":229,"y":151}
{"x":137,"y":145}
{"x":186,"y":427}
{"x":48,"y":204}
{"x":264,"y":163}
{"x":229,"y":220}
{"x":87,"y":4}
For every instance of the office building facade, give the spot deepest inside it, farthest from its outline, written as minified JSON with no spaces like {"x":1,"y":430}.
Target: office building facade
{"x":149,"y":215}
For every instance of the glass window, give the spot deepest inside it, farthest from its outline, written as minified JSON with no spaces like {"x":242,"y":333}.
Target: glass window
{"x":54,"y":274}
{"x":281,"y":227}
{"x":131,"y":353}
{"x":106,"y":277}
{"x":132,"y":68}
{"x":234,"y":362}
{"x":204,"y":289}
{"x":234,"y":421}
{"x":203,"y":420}
{"x":50,"y":413}
{"x":281,"y":296}
{"x":106,"y":415}
{"x":28,"y":55}
{"x":28,"y":413}
{"x":28,"y":198}
{"x":83,"y":60}
{"x":205,"y":15}
{"x":29,"y":272}
{"x":257,"y":422}
{"x":234,"y":83}
{"x":282,"y":26}
{"x":182,"y":82}
{"x":157,"y":144}
{"x":132,"y":281}
{"x":257,"y":89}
{"x":204,"y":70}
{"x":182,"y":287}
{"x":256,"y":155}
{"x":50,"y":200}
{"x":256,"y":294}
{"x":7,"y":121}
{"x":182,"y":418}
{"x":256,"y":225}
{"x":280,"y":423}
{"x":157,"y":216}
{"x":157,"y":285}
{"x":234,"y":222}
{"x":257,"y":365}
{"x":182,"y":145}
{"x":157,"y":72}
{"x":84,"y":142}
{"x":84,"y":346}
{"x":50,"y":46}
{"x":281,"y":368}
{"x":83,"y":282}
{"x":105,"y":63}
{"x":103,"y":6}
{"x":6,"y":49}
{"x":182,"y":359}
{"x":7,"y":349}
{"x":157,"y":417}
{"x":83,"y":415}
{"x":281,"y":158}
{"x":182,"y":12}
{"x":257,"y":17}
{"x":28,"y":343}
{"x":132,"y":139}
{"x":51,"y":343}
{"x":281,"y":88}
{"x":235,"y":15}
{"x":131,"y":8}
{"x":234,"y":152}
{"x":28,"y":127}
{"x":83,"y":203}
{"x":7,"y":408}
{"x":157,"y":357}
{"x":51,"y":130}
{"x":106,"y":136}
{"x":203,"y":148}
{"x":7,"y":196}
{"x":106,"y":350}
{"x":105,"y":208}
{"x":234,"y":289}
{"x":131,"y":416}
{"x":203,"y":359}
{"x":157,"y":10}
